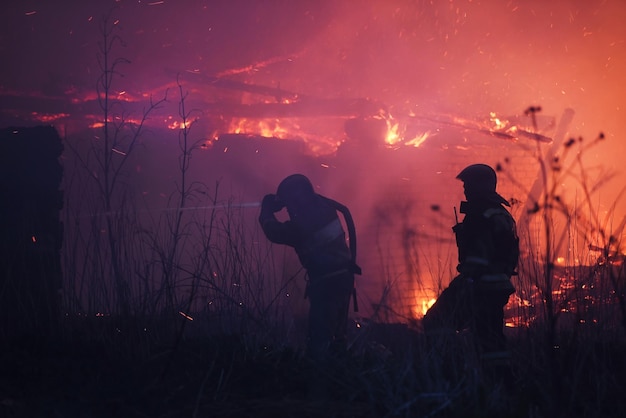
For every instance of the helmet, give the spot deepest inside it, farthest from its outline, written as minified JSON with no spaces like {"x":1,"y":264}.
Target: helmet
{"x":480,"y":182}
{"x":295,"y":184}
{"x":479,"y":177}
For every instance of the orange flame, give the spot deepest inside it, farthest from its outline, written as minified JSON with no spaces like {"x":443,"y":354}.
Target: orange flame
{"x":317,"y":143}
{"x":396,"y":135}
{"x":426,"y":304}
{"x":271,"y":128}
{"x":422,"y":305}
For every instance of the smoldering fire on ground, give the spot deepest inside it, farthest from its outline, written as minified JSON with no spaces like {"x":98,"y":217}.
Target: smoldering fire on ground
{"x":379,"y":106}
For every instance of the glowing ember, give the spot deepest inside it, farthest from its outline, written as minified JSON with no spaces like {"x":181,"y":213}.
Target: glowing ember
{"x":49,"y":118}
{"x":186,"y":316}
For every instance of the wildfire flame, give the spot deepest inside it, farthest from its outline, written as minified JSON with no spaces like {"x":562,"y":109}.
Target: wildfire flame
{"x":396,"y":134}
{"x":270,"y":128}
{"x":174,"y":124}
{"x":317,"y":143}
{"x":392,"y":136}
{"x":498,"y":124}
{"x":422,"y":305}
{"x":418,"y":140}
{"x":426,"y":304}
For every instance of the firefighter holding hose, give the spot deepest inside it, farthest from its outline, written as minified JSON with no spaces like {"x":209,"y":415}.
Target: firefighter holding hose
{"x":315,"y":231}
{"x":488,"y":252}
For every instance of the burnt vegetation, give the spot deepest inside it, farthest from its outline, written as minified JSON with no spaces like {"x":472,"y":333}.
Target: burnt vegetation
{"x":182,"y":314}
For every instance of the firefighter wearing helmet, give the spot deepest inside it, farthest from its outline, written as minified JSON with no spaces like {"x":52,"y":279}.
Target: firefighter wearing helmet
{"x":315,"y":231}
{"x":488,"y":252}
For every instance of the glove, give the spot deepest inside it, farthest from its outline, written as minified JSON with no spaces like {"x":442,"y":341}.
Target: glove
{"x":271,"y":202}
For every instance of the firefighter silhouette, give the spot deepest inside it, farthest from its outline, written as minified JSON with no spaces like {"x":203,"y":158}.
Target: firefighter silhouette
{"x":488,"y":252}
{"x":315,"y":231}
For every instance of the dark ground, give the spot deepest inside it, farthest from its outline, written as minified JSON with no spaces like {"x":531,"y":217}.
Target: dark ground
{"x":389,"y":374}
{"x":217,"y":376}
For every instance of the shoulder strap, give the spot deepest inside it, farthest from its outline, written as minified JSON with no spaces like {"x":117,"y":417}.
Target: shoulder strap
{"x":351,"y":228}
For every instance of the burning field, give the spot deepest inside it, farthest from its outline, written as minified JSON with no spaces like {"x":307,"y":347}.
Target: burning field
{"x":174,"y":119}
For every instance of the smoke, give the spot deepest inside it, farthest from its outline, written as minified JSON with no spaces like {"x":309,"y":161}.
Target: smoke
{"x":462,"y":59}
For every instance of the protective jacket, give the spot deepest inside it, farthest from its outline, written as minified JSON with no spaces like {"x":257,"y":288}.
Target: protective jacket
{"x":316,"y":234}
{"x":488,"y":245}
